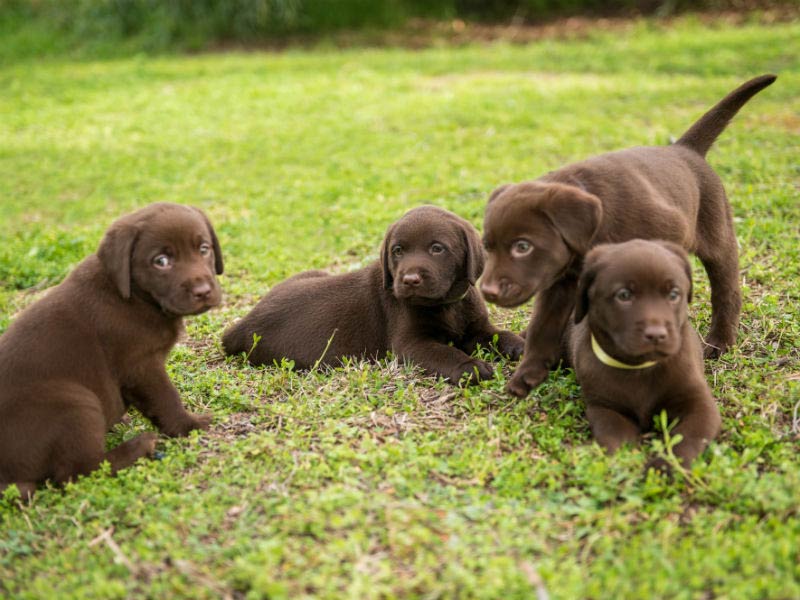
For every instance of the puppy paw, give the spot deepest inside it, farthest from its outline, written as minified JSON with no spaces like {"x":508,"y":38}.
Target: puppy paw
{"x":472,"y":371}
{"x":510,"y":345}
{"x":202,"y":422}
{"x":713,"y":349}
{"x":146,"y":443}
{"x":187,"y":423}
{"x":524,"y":380}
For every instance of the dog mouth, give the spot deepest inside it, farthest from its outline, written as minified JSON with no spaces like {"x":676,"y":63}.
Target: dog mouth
{"x":190,"y":307}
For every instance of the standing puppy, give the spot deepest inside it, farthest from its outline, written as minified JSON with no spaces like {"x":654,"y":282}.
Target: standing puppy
{"x":536,"y":233}
{"x":634,"y":351}
{"x":418,"y":301}
{"x":73,"y":362}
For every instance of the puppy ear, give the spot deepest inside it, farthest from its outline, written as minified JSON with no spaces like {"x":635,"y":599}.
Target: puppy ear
{"x":473,"y":252}
{"x":576,"y":214}
{"x":219,"y":265}
{"x":115,"y":252}
{"x":681,"y":253}
{"x":388,"y":278}
{"x":588,"y":274}
{"x":497,"y":191}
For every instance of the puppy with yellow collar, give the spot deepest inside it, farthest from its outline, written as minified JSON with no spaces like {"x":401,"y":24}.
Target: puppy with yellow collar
{"x":635,"y":352}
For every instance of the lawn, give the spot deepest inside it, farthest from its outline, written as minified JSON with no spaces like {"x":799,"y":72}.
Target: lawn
{"x":373,"y":481}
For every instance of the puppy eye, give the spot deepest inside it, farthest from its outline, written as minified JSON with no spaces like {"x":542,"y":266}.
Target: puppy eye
{"x":674,"y":295}
{"x":624,"y":295}
{"x":162,"y":261}
{"x":521,"y":248}
{"x":204,"y":249}
{"x":436,"y":248}
{"x":397,"y":250}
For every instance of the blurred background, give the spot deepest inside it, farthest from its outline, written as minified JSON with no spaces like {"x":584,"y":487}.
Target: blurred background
{"x":41,"y":27}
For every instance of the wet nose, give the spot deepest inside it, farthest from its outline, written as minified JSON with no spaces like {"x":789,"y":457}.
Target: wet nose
{"x":201,"y":290}
{"x":412,"y":279}
{"x":490,"y":291}
{"x":655,"y":333}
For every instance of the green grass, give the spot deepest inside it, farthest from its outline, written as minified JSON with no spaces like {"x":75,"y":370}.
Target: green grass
{"x":373,"y":481}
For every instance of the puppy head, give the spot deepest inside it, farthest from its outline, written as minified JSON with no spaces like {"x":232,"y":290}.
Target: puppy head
{"x":636,"y":295}
{"x":431,"y":256}
{"x":532,"y":233}
{"x":166,"y":253}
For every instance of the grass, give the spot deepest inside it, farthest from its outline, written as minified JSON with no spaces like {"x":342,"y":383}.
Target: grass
{"x":372,"y":481}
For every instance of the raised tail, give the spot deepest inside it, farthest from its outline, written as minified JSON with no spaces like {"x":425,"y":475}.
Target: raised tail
{"x":705,"y":131}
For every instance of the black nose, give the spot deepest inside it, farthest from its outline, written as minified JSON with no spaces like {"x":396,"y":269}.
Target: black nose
{"x":412,"y":279}
{"x":655,"y":333}
{"x":201,"y":291}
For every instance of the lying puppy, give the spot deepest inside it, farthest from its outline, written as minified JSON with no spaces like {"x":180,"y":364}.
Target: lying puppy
{"x":536,"y":233}
{"x":634,"y":351}
{"x":416,"y":300}
{"x":74,"y":361}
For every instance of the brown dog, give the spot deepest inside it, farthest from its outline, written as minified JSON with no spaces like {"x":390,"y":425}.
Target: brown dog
{"x":415,"y":301}
{"x":73,"y":362}
{"x":635,"y":352}
{"x":536,"y":233}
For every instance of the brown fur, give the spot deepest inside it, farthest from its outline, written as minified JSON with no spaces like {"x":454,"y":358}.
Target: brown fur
{"x":74,"y":361}
{"x":650,"y":326}
{"x":411,"y":301}
{"x":653,"y":193}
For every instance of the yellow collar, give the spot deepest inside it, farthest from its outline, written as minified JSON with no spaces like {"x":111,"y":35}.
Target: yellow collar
{"x":604,"y":358}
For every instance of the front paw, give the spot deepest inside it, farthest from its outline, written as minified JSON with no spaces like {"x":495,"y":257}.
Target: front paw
{"x":187,"y":423}
{"x":510,"y":345}
{"x":471,"y":372}
{"x":659,"y":465}
{"x":714,"y":348}
{"x":524,"y":379}
{"x":201,"y":422}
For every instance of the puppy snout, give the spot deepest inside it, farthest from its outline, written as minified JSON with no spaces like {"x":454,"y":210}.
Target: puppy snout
{"x":201,"y":290}
{"x":490,"y":290}
{"x":655,"y":334}
{"x":412,"y":279}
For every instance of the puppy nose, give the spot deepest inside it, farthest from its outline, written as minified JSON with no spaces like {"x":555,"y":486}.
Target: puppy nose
{"x":655,"y":333}
{"x":201,"y":291}
{"x":490,"y":291}
{"x":412,"y":279}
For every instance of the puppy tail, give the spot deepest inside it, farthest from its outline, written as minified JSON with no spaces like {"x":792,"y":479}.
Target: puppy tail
{"x":233,"y":340}
{"x":705,"y":131}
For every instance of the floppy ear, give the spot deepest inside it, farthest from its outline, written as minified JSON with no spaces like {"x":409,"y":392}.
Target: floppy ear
{"x":115,"y":252}
{"x":497,"y":192}
{"x":473,"y":252}
{"x":681,"y":253}
{"x":219,"y":265}
{"x":574,"y":213}
{"x":388,"y":278}
{"x":588,"y":274}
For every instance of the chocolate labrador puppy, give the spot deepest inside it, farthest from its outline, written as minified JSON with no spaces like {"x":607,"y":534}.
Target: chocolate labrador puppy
{"x":537,"y":232}
{"x":72,"y":363}
{"x":418,"y":300}
{"x":635,"y":352}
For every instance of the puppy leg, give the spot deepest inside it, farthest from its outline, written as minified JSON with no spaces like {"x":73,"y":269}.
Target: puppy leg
{"x":543,"y":339}
{"x":158,"y":400}
{"x":611,"y":429}
{"x":81,"y":447}
{"x":443,"y":360}
{"x":726,"y":302}
{"x":718,"y":251}
{"x":482,"y":332}
{"x":698,"y":424}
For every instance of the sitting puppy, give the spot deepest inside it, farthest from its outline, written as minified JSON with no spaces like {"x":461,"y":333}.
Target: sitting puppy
{"x":536,"y":233}
{"x":72,"y":363}
{"x":415,"y":301}
{"x":634,"y":351}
